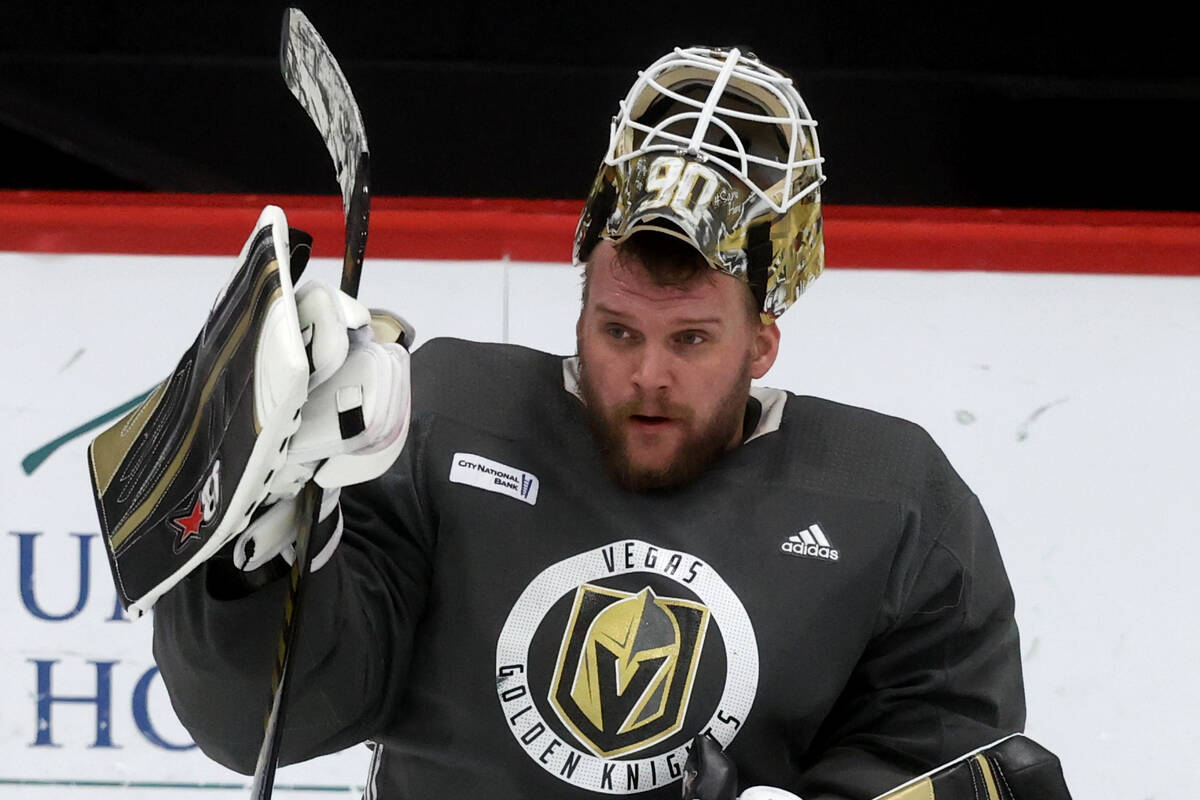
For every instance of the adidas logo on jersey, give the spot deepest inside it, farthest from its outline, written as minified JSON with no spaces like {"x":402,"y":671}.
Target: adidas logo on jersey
{"x":810,"y":543}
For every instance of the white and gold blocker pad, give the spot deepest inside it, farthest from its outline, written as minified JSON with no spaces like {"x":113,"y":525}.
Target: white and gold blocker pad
{"x":1013,"y":768}
{"x":183,"y":472}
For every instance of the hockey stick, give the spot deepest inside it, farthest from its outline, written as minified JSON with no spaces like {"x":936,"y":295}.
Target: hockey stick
{"x":314,"y":77}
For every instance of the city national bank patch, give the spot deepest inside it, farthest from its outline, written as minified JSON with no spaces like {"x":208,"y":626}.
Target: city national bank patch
{"x":483,"y":473}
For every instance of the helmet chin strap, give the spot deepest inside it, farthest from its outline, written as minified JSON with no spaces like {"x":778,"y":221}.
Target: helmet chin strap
{"x":710,"y":105}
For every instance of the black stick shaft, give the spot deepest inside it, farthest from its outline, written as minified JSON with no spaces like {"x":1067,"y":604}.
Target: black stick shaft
{"x":332,"y":102}
{"x":307,"y":516}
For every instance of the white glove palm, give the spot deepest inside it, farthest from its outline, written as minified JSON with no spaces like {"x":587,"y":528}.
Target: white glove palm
{"x":352,"y":426}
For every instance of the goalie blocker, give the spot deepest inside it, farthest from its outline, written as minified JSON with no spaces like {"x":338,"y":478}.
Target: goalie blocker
{"x":275,"y":387}
{"x":1013,"y":768}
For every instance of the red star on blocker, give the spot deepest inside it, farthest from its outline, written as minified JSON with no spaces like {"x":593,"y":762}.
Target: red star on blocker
{"x":190,"y":525}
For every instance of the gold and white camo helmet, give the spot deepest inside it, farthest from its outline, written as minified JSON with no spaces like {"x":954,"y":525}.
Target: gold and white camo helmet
{"x":715,"y":147}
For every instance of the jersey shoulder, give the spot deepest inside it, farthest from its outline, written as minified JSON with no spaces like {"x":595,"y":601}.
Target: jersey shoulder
{"x":489,"y":385}
{"x":855,"y":451}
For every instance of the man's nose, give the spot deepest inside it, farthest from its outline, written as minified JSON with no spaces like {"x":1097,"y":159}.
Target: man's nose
{"x":654,"y":368}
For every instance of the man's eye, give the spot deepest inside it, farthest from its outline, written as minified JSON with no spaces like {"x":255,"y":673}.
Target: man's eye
{"x":691,"y":337}
{"x":617,"y":332}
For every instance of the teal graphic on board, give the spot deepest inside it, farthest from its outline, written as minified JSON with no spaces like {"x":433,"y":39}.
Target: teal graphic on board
{"x":34,"y":459}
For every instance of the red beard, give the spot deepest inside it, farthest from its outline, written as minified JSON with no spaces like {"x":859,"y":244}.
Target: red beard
{"x":701,"y":447}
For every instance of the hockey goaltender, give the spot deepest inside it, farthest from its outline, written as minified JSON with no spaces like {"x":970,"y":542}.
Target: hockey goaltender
{"x":539,"y":576}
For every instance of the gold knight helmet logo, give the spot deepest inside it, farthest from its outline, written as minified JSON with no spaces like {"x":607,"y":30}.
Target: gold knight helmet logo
{"x":626,"y":666}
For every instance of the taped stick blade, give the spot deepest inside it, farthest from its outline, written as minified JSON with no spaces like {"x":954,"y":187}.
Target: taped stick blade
{"x":313,"y":75}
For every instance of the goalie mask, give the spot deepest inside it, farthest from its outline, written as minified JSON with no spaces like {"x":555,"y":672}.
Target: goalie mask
{"x":714,"y":147}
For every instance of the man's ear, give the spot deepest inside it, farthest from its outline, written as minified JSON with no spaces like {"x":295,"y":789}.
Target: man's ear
{"x":766,"y":349}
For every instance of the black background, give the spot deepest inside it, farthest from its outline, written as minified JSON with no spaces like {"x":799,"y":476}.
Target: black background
{"x":975,"y":105}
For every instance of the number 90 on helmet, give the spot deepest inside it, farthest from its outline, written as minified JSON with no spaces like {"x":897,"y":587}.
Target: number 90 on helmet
{"x":715,"y":147}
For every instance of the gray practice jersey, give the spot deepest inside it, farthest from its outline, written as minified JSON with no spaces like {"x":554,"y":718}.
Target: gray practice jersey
{"x":503,"y":621}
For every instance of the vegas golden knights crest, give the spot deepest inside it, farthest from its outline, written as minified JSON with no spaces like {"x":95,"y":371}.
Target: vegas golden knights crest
{"x":611,"y":661}
{"x":626,"y":667}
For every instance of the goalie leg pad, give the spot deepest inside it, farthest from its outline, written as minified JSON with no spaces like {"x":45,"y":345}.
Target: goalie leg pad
{"x":181,"y":474}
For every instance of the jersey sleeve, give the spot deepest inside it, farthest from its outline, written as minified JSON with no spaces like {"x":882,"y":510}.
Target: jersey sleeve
{"x":353,"y":645}
{"x":940,"y":677}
